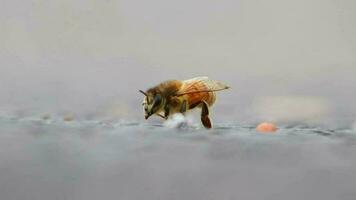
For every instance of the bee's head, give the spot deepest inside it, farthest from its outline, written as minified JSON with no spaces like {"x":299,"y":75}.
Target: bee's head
{"x":151,"y":103}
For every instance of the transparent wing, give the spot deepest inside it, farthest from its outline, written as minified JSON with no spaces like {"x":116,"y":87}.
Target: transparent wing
{"x":200,"y":84}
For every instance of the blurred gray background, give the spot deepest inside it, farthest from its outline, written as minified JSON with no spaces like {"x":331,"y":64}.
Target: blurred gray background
{"x":291,"y":62}
{"x":284,"y":60}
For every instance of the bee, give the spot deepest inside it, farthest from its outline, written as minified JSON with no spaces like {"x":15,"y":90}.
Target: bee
{"x":176,"y":96}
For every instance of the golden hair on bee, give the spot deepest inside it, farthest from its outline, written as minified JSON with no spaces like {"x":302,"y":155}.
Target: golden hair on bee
{"x":175,"y":96}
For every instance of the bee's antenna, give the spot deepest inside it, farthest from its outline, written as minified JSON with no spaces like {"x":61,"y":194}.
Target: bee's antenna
{"x":144,"y":93}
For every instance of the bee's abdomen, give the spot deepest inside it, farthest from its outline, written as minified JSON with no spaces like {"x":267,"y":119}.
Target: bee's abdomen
{"x":196,"y":98}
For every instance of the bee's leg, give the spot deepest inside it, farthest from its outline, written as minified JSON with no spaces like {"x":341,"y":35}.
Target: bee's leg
{"x":205,"y":115}
{"x":161,"y":116}
{"x":183,"y":108}
{"x":166,"y":111}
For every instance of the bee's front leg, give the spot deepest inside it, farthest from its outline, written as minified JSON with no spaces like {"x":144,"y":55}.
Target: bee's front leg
{"x":161,"y":116}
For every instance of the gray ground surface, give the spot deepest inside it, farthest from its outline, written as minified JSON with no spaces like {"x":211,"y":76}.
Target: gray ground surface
{"x":97,"y":160}
{"x":287,"y":62}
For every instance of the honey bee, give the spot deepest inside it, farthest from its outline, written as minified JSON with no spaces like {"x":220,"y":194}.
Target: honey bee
{"x":176,"y":96}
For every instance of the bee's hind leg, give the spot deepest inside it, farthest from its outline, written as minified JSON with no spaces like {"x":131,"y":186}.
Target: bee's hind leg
{"x":205,"y":115}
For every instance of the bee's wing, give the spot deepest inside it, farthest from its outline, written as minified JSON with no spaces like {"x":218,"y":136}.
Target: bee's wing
{"x":200,"y":84}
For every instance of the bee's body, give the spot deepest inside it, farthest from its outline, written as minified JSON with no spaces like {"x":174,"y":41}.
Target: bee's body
{"x":177,"y":96}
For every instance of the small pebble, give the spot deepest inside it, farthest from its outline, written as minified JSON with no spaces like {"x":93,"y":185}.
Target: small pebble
{"x":68,"y":118}
{"x":46,"y":116}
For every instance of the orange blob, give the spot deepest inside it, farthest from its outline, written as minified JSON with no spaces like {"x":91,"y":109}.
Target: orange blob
{"x":266,"y":127}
